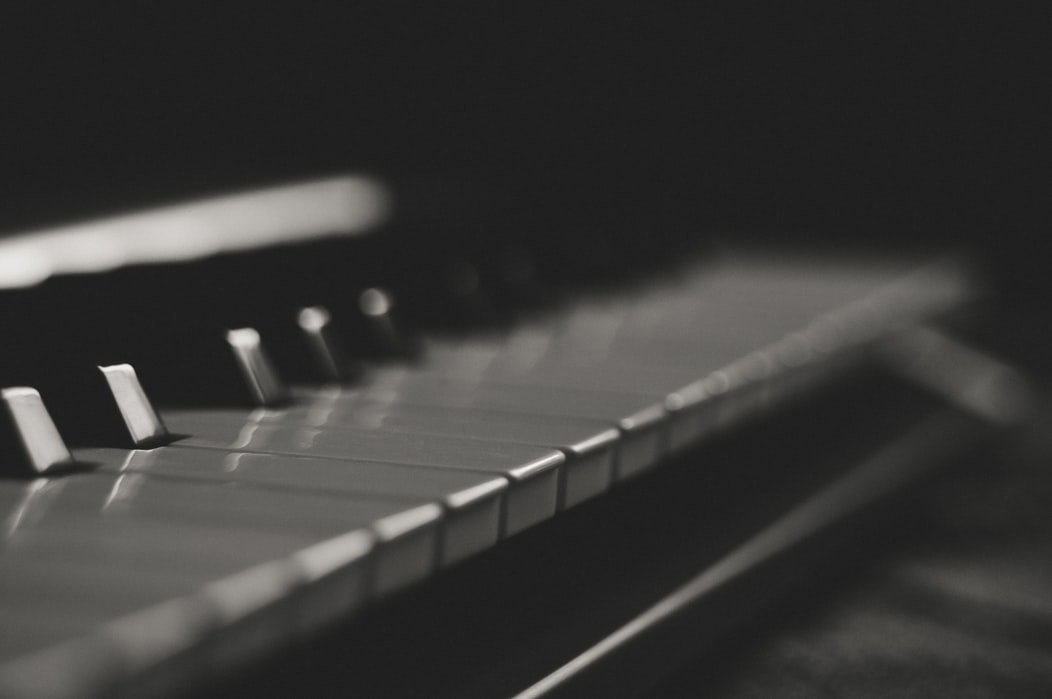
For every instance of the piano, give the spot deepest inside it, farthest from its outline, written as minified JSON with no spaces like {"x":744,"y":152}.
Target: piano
{"x":465,"y":450}
{"x":504,"y":351}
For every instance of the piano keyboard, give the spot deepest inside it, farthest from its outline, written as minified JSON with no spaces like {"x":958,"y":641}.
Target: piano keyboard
{"x":202,"y":537}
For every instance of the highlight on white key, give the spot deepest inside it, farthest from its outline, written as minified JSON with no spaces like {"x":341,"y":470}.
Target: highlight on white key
{"x":144,"y":425}
{"x":344,"y":205}
{"x":24,"y":414}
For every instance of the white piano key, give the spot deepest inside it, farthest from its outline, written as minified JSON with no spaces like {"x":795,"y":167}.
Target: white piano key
{"x":640,"y":418}
{"x":162,"y":647}
{"x":532,"y":472}
{"x":165,"y":538}
{"x":473,"y":502}
{"x":333,"y":571}
{"x":590,"y":446}
{"x":73,"y":668}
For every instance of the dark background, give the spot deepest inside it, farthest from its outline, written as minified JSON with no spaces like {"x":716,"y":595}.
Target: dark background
{"x":860,"y":120}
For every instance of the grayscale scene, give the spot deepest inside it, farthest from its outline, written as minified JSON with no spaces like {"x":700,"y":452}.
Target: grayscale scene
{"x":519,"y":350}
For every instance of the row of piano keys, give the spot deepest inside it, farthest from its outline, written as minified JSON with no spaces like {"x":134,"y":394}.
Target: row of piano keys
{"x":250,"y":526}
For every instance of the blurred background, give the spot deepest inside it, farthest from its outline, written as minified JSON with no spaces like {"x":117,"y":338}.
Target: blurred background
{"x":860,"y":120}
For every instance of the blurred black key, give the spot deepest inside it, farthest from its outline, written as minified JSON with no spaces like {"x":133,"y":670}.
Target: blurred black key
{"x":260,"y":375}
{"x":384,"y":333}
{"x":467,"y":302}
{"x":326,"y":357}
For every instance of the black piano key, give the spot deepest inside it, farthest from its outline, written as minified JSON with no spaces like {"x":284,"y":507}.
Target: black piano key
{"x":326,"y":360}
{"x":81,"y":399}
{"x":511,"y":272}
{"x":258,"y":371}
{"x":30,"y":444}
{"x":144,"y":427}
{"x":379,"y":331}
{"x":536,"y":473}
{"x":463,"y":299}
